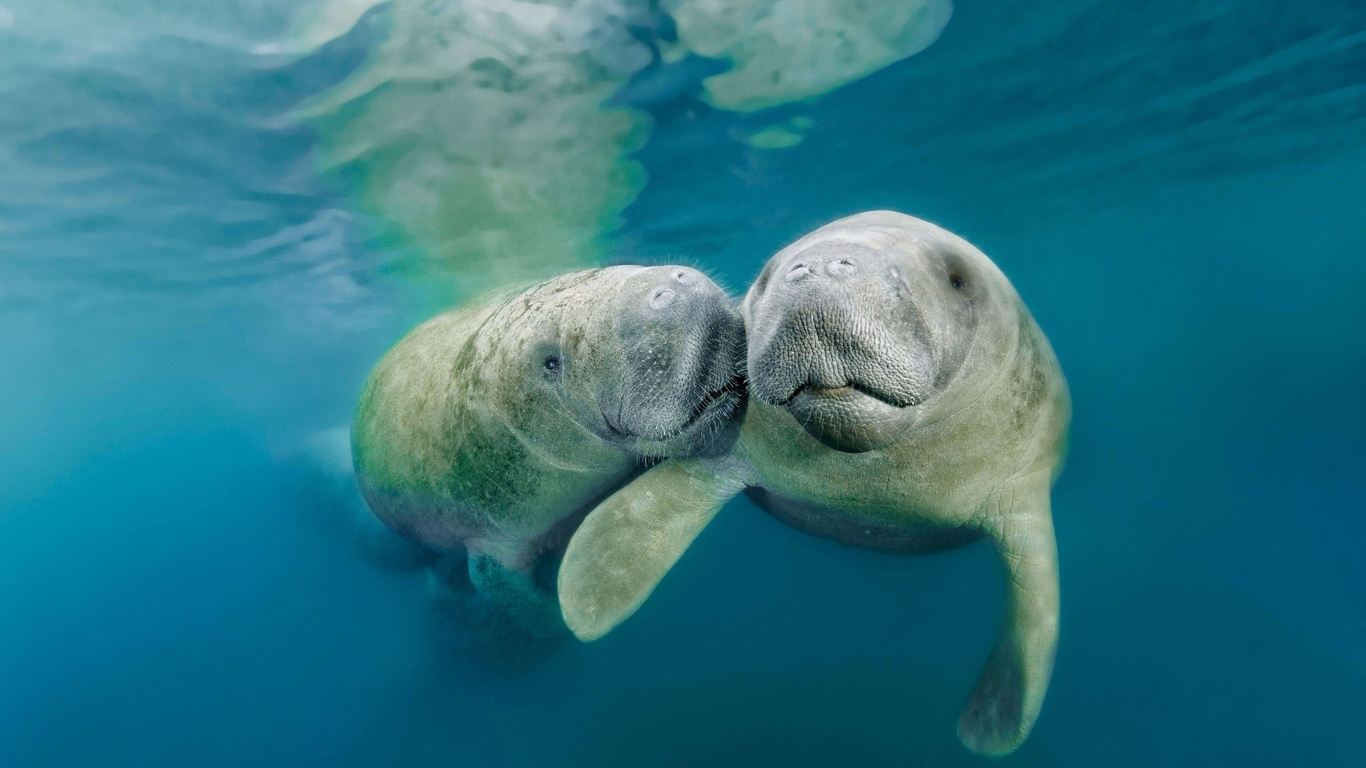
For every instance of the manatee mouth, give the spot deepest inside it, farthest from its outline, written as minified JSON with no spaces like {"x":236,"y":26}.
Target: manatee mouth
{"x":716,"y":405}
{"x":852,"y":418}
{"x":846,"y":392}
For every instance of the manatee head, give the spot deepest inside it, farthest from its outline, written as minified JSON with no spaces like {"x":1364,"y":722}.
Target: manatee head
{"x":649,"y":359}
{"x":858,"y":327}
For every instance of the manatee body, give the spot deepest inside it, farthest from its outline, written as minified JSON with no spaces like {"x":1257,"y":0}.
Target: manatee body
{"x":496,"y":427}
{"x":903,"y":399}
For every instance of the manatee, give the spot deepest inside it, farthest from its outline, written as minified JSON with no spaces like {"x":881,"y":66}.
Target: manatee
{"x":497,"y":426}
{"x":902,"y":399}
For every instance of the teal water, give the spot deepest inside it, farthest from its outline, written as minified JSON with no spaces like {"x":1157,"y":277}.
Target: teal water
{"x":208,"y":236}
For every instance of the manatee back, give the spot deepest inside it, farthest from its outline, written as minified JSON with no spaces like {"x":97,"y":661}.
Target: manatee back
{"x":409,"y":432}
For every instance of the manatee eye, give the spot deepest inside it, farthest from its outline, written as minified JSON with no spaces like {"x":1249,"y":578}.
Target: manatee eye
{"x":957,"y":280}
{"x":553,"y":366}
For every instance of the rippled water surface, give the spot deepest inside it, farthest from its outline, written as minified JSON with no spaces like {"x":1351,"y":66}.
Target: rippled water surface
{"x":214,"y":217}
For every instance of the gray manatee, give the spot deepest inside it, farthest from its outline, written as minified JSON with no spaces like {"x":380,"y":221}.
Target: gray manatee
{"x":496,"y":427}
{"x":903,"y":400}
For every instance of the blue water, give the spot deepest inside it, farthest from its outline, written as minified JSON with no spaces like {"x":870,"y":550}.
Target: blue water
{"x":193,"y":280}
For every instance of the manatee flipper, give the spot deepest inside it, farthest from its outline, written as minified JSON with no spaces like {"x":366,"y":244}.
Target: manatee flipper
{"x":626,"y":545}
{"x":1008,"y":695}
{"x":515,"y":592}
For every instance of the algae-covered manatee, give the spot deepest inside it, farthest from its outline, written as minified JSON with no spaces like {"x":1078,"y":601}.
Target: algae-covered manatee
{"x":496,"y":427}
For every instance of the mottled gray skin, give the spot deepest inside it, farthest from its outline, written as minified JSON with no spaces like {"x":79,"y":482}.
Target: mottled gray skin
{"x":498,"y":426}
{"x":904,"y":400}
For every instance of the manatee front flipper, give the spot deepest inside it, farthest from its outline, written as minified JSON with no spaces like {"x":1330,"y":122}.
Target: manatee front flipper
{"x":516,"y":593}
{"x":1006,"y":701}
{"x":626,"y":545}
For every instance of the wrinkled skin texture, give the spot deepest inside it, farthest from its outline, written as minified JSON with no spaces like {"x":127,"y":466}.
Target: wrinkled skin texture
{"x":903,"y":400}
{"x":498,"y":426}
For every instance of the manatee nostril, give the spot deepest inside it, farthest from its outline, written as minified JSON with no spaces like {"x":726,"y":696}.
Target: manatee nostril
{"x":685,"y":277}
{"x":840,"y":267}
{"x":798,"y":272}
{"x":662,"y":298}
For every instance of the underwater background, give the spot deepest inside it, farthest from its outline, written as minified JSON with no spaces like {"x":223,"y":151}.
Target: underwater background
{"x":215,"y":217}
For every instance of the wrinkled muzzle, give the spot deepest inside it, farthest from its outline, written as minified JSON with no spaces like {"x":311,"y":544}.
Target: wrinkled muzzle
{"x":683,"y":369}
{"x":836,"y":339}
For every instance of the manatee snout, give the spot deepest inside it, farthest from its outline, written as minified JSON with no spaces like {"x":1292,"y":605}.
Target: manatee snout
{"x":837,"y":338}
{"x":684,"y":347}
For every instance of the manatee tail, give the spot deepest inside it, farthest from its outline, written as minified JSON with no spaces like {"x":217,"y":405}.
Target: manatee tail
{"x":1003,"y":707}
